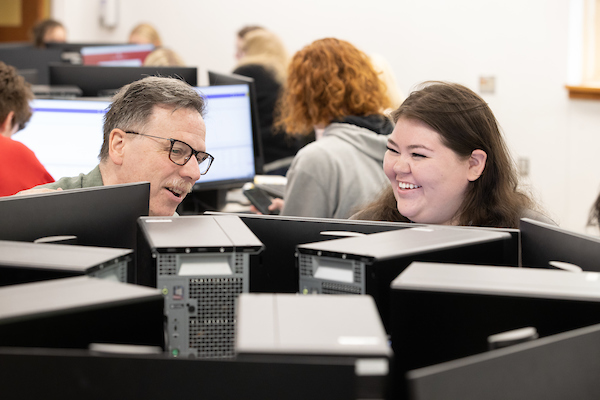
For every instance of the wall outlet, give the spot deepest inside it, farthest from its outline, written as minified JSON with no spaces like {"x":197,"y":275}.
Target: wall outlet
{"x":523,"y":166}
{"x":487,"y":84}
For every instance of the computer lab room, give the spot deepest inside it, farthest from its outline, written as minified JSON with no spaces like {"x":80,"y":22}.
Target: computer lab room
{"x":300,"y":200}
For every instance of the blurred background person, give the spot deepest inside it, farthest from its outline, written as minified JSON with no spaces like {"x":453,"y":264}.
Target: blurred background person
{"x":387,"y":76}
{"x":262,"y":56}
{"x":163,"y":57}
{"x":333,"y":88}
{"x":594,"y":215}
{"x":241,"y":34}
{"x":48,"y":31}
{"x":145,"y":33}
{"x":19,"y":167}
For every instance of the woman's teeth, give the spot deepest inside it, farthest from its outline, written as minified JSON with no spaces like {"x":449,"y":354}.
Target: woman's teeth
{"x":403,"y":185}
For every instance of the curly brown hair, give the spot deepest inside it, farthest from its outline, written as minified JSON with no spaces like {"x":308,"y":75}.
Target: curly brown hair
{"x":15,"y":95}
{"x":328,"y":80}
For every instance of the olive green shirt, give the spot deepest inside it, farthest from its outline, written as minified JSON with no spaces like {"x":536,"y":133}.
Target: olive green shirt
{"x":91,"y":179}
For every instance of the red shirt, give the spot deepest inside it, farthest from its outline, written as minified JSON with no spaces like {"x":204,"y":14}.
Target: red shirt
{"x":19,"y":168}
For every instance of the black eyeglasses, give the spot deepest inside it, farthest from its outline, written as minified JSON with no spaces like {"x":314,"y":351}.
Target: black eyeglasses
{"x":181,"y":152}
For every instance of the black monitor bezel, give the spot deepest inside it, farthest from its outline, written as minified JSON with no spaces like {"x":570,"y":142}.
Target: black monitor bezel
{"x":93,"y":80}
{"x":566,"y":364}
{"x":27,"y":57}
{"x":542,"y":243}
{"x":104,"y":216}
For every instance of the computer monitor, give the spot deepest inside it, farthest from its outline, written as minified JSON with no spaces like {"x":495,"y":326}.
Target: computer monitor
{"x":104,"y":216}
{"x":544,"y":244}
{"x":89,"y":374}
{"x":229,"y":137}
{"x":443,"y":312}
{"x":132,"y":55}
{"x":71,"y":51}
{"x":23,"y":262}
{"x":215,"y":79}
{"x":30,"y":59}
{"x":78,"y":311}
{"x":65,"y":135}
{"x":95,"y":80}
{"x":562,"y":366}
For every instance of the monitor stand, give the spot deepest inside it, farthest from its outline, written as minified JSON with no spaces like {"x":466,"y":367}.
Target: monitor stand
{"x":203,"y":200}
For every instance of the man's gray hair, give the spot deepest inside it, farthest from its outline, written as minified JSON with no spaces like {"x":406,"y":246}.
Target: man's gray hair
{"x":133,"y":105}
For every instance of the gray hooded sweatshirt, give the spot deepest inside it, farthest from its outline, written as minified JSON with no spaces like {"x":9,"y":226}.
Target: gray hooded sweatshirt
{"x":336,"y":175}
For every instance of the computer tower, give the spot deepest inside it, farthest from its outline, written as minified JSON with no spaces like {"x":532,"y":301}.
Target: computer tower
{"x":368,"y":264}
{"x":201,"y":264}
{"x":283,"y":325}
{"x":22,"y":262}
{"x":442,"y":312}
{"x":78,"y":311}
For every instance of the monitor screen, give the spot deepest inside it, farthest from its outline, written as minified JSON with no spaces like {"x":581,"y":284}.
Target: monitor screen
{"x":65,"y":135}
{"x":132,"y":55}
{"x":71,"y":52}
{"x":228,"y":136}
{"x":216,"y":79}
{"x":97,"y":80}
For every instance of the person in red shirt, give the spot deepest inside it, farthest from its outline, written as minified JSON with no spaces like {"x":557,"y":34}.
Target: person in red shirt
{"x":19,"y":167}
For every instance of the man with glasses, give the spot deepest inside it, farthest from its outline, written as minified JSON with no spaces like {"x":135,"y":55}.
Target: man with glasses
{"x":153,"y":131}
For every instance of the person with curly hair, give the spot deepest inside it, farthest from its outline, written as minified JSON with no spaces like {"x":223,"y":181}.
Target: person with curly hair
{"x":19,"y":167}
{"x":333,"y":89}
{"x":448,"y":164}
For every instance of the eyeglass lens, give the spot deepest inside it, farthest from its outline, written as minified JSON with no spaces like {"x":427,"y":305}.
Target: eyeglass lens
{"x":181,"y":152}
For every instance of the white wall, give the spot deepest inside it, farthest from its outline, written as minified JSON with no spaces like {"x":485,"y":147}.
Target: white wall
{"x":524,"y":44}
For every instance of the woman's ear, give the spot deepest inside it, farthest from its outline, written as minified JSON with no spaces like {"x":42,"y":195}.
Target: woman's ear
{"x":116,"y":146}
{"x":476,"y":164}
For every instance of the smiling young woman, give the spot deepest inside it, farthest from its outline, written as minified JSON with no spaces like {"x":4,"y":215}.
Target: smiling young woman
{"x":448,"y":164}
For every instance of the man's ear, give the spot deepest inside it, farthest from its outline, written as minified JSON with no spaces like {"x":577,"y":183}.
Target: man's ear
{"x":476,"y":164}
{"x":6,"y":126}
{"x":116,"y":146}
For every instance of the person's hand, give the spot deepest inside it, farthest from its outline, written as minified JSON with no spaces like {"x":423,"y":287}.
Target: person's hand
{"x":276,"y":205}
{"x":37,"y":191}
